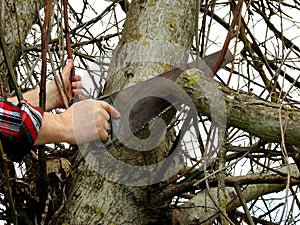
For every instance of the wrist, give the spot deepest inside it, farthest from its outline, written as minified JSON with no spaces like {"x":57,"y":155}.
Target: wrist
{"x":51,"y":92}
{"x":66,"y":127}
{"x":52,"y":130}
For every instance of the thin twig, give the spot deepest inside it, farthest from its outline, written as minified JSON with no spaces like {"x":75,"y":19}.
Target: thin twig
{"x":196,"y":28}
{"x":43,"y":184}
{"x":45,"y":41}
{"x":221,"y":182}
{"x":243,"y":202}
{"x":236,"y":16}
{"x":68,"y":38}
{"x":216,"y":204}
{"x":59,"y":82}
{"x":7,"y":188}
{"x":11,"y":72}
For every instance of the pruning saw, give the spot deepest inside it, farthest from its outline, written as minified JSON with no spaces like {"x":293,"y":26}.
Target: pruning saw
{"x":148,"y":107}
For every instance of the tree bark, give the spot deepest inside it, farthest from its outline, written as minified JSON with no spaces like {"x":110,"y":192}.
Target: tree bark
{"x":18,"y":20}
{"x":270,"y":121}
{"x":157,"y":36}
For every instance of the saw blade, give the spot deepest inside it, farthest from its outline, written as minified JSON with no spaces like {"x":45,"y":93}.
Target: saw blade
{"x":139,"y":112}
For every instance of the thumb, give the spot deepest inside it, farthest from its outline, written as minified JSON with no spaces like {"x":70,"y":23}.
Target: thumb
{"x":67,"y":68}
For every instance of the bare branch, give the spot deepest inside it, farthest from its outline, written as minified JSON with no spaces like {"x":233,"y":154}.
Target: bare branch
{"x":248,"y":112}
{"x":202,"y":210}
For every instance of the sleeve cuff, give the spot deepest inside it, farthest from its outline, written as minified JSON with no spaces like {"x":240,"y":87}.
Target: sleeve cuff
{"x":19,"y":128}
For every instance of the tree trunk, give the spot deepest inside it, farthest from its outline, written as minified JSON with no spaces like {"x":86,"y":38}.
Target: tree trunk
{"x":18,"y":17}
{"x":18,"y":20}
{"x":157,"y":36}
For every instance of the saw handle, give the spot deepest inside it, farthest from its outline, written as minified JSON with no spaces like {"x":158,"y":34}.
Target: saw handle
{"x":112,"y":138}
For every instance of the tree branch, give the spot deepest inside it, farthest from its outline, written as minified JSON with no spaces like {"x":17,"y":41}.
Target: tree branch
{"x":201,"y":209}
{"x":243,"y":110}
{"x":7,"y":187}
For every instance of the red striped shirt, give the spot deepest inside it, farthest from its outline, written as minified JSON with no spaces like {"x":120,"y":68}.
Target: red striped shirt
{"x":19,"y":127}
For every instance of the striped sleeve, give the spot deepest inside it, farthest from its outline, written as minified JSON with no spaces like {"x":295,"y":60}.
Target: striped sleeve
{"x":31,"y":118}
{"x":19,"y":127}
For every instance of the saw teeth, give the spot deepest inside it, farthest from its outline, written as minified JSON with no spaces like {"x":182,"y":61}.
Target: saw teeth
{"x":153,"y":119}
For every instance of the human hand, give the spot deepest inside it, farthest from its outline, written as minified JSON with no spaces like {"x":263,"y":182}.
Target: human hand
{"x":54,"y":98}
{"x":83,"y":122}
{"x":88,"y":120}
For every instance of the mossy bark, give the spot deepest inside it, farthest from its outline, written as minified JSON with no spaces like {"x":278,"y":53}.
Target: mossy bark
{"x":156,"y":37}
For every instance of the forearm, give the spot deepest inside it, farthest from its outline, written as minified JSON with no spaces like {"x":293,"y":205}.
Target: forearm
{"x":53,"y":130}
{"x":83,"y":122}
{"x":54,"y":98}
{"x":33,"y":96}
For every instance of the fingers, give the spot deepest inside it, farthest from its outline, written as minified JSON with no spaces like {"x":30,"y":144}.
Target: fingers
{"x":101,"y":111}
{"x":102,"y":131}
{"x":104,"y":111}
{"x":77,"y":88}
{"x":76,"y":78}
{"x":90,"y":121}
{"x":76,"y":84}
{"x":110,"y":109}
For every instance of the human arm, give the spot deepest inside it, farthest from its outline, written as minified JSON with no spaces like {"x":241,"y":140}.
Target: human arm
{"x":53,"y":96}
{"x":83,"y":122}
{"x":24,"y":125}
{"x":19,"y":127}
